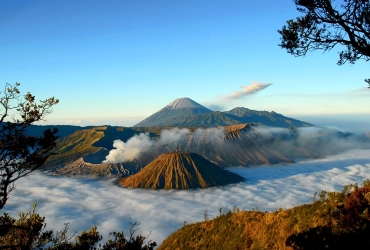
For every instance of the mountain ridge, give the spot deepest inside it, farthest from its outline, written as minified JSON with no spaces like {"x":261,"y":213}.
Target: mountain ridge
{"x":184,"y":112}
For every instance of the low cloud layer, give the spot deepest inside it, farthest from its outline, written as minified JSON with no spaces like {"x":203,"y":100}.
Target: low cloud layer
{"x":85,"y":202}
{"x":247,"y":90}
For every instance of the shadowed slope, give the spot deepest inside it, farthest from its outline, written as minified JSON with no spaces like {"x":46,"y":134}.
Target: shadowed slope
{"x":180,"y":171}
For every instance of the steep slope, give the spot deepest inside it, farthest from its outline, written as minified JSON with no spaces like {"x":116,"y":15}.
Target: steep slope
{"x":177,"y":110}
{"x":240,"y":145}
{"x":72,"y":147}
{"x":338,"y":220}
{"x":180,"y":171}
{"x":90,"y":146}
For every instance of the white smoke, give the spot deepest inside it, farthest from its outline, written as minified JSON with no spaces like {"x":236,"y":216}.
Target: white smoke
{"x":126,"y":151}
{"x":142,"y":143}
{"x":172,"y":135}
{"x":315,"y":141}
{"x":210,"y":134}
{"x":247,"y":90}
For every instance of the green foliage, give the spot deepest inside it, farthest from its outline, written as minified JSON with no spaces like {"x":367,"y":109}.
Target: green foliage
{"x":134,"y":242}
{"x":326,"y":24}
{"x":24,"y":233}
{"x":20,"y":153}
{"x":28,"y":232}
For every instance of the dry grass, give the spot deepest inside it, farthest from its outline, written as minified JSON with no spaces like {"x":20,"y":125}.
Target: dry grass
{"x":335,"y":220}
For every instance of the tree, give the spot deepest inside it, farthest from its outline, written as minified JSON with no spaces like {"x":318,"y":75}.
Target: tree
{"x":28,"y":232}
{"x":325,"y":25}
{"x":21,"y":154}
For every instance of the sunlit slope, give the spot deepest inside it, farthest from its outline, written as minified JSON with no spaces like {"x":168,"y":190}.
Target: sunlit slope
{"x":180,"y":171}
{"x":336,"y":220}
{"x":82,"y":153}
{"x":73,"y":147}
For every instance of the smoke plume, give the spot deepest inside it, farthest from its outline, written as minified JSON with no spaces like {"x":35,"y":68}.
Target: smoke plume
{"x":125,"y":151}
{"x":172,"y":140}
{"x":251,"y":146}
{"x":247,"y":90}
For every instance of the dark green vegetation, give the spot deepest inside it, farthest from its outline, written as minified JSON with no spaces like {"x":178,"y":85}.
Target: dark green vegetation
{"x":20,"y":153}
{"x":191,"y":113}
{"x":180,"y":171}
{"x":326,"y":24}
{"x":28,"y":232}
{"x":336,"y":220}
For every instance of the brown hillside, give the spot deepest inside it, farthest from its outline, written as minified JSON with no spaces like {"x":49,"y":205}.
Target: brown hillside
{"x":337,"y":220}
{"x":180,"y":171}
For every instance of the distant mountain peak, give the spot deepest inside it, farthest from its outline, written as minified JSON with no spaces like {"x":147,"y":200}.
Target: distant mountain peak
{"x":181,"y":103}
{"x":178,"y":110}
{"x":186,"y":112}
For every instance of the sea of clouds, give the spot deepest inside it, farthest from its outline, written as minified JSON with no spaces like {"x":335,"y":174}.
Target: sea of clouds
{"x":84,"y":202}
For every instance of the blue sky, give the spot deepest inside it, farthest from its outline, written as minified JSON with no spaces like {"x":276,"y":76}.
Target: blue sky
{"x":117,"y":62}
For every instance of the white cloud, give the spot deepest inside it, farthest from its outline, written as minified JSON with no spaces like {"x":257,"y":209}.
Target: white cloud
{"x":247,"y":90}
{"x":85,"y":202}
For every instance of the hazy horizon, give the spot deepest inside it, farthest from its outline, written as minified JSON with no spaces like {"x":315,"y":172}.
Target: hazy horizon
{"x":355,"y":123}
{"x":114,"y":62}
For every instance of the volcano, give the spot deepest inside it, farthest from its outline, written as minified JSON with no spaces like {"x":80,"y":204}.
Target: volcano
{"x":184,"y":112}
{"x":177,"y":170}
{"x":174,"y":113}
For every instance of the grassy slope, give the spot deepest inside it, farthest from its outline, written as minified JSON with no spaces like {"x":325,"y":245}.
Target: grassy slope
{"x":335,"y":221}
{"x":87,"y":141}
{"x":245,"y":230}
{"x":74,"y":146}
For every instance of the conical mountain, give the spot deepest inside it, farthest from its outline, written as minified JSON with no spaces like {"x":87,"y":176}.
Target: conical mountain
{"x":178,"y":110}
{"x":184,"y":112}
{"x":180,"y":171}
